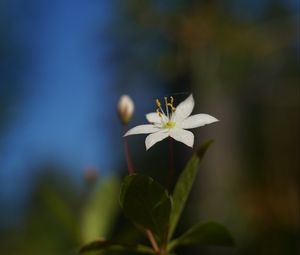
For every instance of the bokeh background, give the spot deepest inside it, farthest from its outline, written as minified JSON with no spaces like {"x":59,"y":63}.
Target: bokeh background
{"x":64,"y":65}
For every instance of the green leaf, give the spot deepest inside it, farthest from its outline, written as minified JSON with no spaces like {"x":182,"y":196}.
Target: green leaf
{"x":101,"y":209}
{"x":99,"y":245}
{"x":207,"y":233}
{"x":184,"y":185}
{"x":61,"y":210}
{"x":146,"y":203}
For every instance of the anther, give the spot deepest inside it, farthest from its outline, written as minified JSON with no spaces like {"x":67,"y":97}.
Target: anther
{"x":172,"y":107}
{"x":158,"y":103}
{"x":160,"y":111}
{"x":172,"y":99}
{"x":171,"y":104}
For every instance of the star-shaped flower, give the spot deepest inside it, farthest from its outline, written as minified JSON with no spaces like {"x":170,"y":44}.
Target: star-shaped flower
{"x":173,"y":124}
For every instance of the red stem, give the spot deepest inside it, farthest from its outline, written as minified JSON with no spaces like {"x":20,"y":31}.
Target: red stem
{"x":127,"y":154}
{"x":152,"y":241}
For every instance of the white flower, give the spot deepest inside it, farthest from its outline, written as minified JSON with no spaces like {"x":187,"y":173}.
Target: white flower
{"x":173,"y":124}
{"x":125,"y":109}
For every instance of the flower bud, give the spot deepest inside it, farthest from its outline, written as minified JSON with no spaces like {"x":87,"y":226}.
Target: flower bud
{"x":125,"y":109}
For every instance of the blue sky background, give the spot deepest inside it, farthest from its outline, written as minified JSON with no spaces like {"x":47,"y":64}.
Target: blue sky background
{"x":67,"y":107}
{"x":67,"y":94}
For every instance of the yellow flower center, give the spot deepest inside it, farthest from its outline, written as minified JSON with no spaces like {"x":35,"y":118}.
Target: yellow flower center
{"x":169,"y":124}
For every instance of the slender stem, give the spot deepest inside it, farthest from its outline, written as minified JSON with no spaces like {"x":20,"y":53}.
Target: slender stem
{"x":171,"y":164}
{"x":127,"y":154}
{"x":152,"y":241}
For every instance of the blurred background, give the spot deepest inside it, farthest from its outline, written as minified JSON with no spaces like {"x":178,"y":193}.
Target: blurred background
{"x":63,"y":67}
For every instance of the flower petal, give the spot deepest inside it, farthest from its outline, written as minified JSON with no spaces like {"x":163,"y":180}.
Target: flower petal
{"x":197,"y":120}
{"x":142,"y":129}
{"x":184,"y":136}
{"x":184,"y":109}
{"x":155,"y":138}
{"x":153,"y":117}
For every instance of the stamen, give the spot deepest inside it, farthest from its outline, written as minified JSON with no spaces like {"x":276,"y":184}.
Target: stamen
{"x":168,"y":104}
{"x":158,"y":103}
{"x":160,"y":111}
{"x":171,"y":104}
{"x":167,"y":108}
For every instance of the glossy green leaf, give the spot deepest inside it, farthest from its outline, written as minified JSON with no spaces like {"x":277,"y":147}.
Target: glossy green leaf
{"x":100,"y":211}
{"x":101,"y":245}
{"x":207,"y":233}
{"x":184,"y":185}
{"x":146,"y":203}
